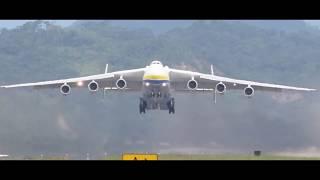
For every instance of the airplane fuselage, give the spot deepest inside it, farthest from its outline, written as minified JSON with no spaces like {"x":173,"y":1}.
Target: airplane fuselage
{"x":156,"y":87}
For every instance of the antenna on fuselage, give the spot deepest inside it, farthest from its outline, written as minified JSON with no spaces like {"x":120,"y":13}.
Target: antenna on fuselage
{"x":106,"y":70}
{"x":212,"y":72}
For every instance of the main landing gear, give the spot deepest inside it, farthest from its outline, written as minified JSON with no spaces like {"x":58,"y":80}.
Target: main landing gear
{"x":142,"y":106}
{"x":171,"y":106}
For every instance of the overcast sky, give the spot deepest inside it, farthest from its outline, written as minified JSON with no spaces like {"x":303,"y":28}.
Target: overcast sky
{"x":14,"y":23}
{"x":314,"y":22}
{"x":9,"y":24}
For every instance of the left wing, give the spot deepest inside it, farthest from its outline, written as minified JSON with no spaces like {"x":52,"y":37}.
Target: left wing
{"x":209,"y":81}
{"x":132,"y":77}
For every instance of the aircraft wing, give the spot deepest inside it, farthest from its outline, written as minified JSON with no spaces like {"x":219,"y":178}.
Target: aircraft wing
{"x":133,"y":78}
{"x":207,"y":82}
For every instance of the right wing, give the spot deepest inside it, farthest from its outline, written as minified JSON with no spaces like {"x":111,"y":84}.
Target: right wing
{"x":207,"y":82}
{"x":133,"y":78}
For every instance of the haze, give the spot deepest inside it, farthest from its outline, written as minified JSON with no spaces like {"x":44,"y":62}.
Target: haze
{"x":45,"y":122}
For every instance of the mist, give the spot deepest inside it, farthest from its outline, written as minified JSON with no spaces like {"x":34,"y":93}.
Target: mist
{"x":34,"y":122}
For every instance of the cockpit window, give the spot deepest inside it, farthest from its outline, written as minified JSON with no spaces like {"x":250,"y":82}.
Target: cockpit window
{"x":156,"y":62}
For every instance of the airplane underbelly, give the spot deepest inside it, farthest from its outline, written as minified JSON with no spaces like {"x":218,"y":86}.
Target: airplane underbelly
{"x":157,"y":94}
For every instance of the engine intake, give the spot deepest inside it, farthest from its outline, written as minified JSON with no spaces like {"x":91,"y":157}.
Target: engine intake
{"x":192,"y":84}
{"x":65,"y":89}
{"x":93,"y":86}
{"x":121,"y":83}
{"x":248,"y":91}
{"x":221,"y":88}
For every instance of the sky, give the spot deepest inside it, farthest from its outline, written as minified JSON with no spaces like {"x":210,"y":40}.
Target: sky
{"x":9,"y":24}
{"x":314,"y":22}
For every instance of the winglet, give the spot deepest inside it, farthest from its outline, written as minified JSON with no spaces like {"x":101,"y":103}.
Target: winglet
{"x":106,"y":70}
{"x":212,"y":72}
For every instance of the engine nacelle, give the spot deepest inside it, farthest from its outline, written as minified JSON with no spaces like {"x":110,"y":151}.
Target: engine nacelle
{"x":192,"y":84}
{"x":121,"y":83}
{"x":93,"y":86}
{"x":248,"y":91}
{"x":221,"y":88}
{"x":65,"y":89}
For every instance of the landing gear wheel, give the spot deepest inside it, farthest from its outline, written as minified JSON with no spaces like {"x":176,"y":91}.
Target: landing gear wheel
{"x":142,"y":106}
{"x":171,"y":106}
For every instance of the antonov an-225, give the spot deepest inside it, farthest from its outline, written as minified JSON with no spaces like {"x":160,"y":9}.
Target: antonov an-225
{"x":156,"y":82}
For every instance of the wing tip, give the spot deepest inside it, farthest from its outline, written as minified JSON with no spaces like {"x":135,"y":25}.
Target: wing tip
{"x":309,"y":90}
{"x":7,"y":87}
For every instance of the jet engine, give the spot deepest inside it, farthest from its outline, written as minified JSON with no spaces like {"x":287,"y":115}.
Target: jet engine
{"x":65,"y":89}
{"x":192,"y":84}
{"x":221,"y":88}
{"x":93,"y":86}
{"x":248,"y":91}
{"x":121,"y":83}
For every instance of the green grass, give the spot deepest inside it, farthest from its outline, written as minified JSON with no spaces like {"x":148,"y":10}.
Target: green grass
{"x":220,"y":157}
{"x":230,"y":157}
{"x":186,"y":157}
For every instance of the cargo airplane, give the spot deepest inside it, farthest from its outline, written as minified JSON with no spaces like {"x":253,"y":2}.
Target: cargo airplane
{"x":157,"y":82}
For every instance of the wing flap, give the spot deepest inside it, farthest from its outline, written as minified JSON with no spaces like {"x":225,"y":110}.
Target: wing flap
{"x":209,"y":81}
{"x":240,"y":84}
{"x":133,"y":78}
{"x":56,"y":83}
